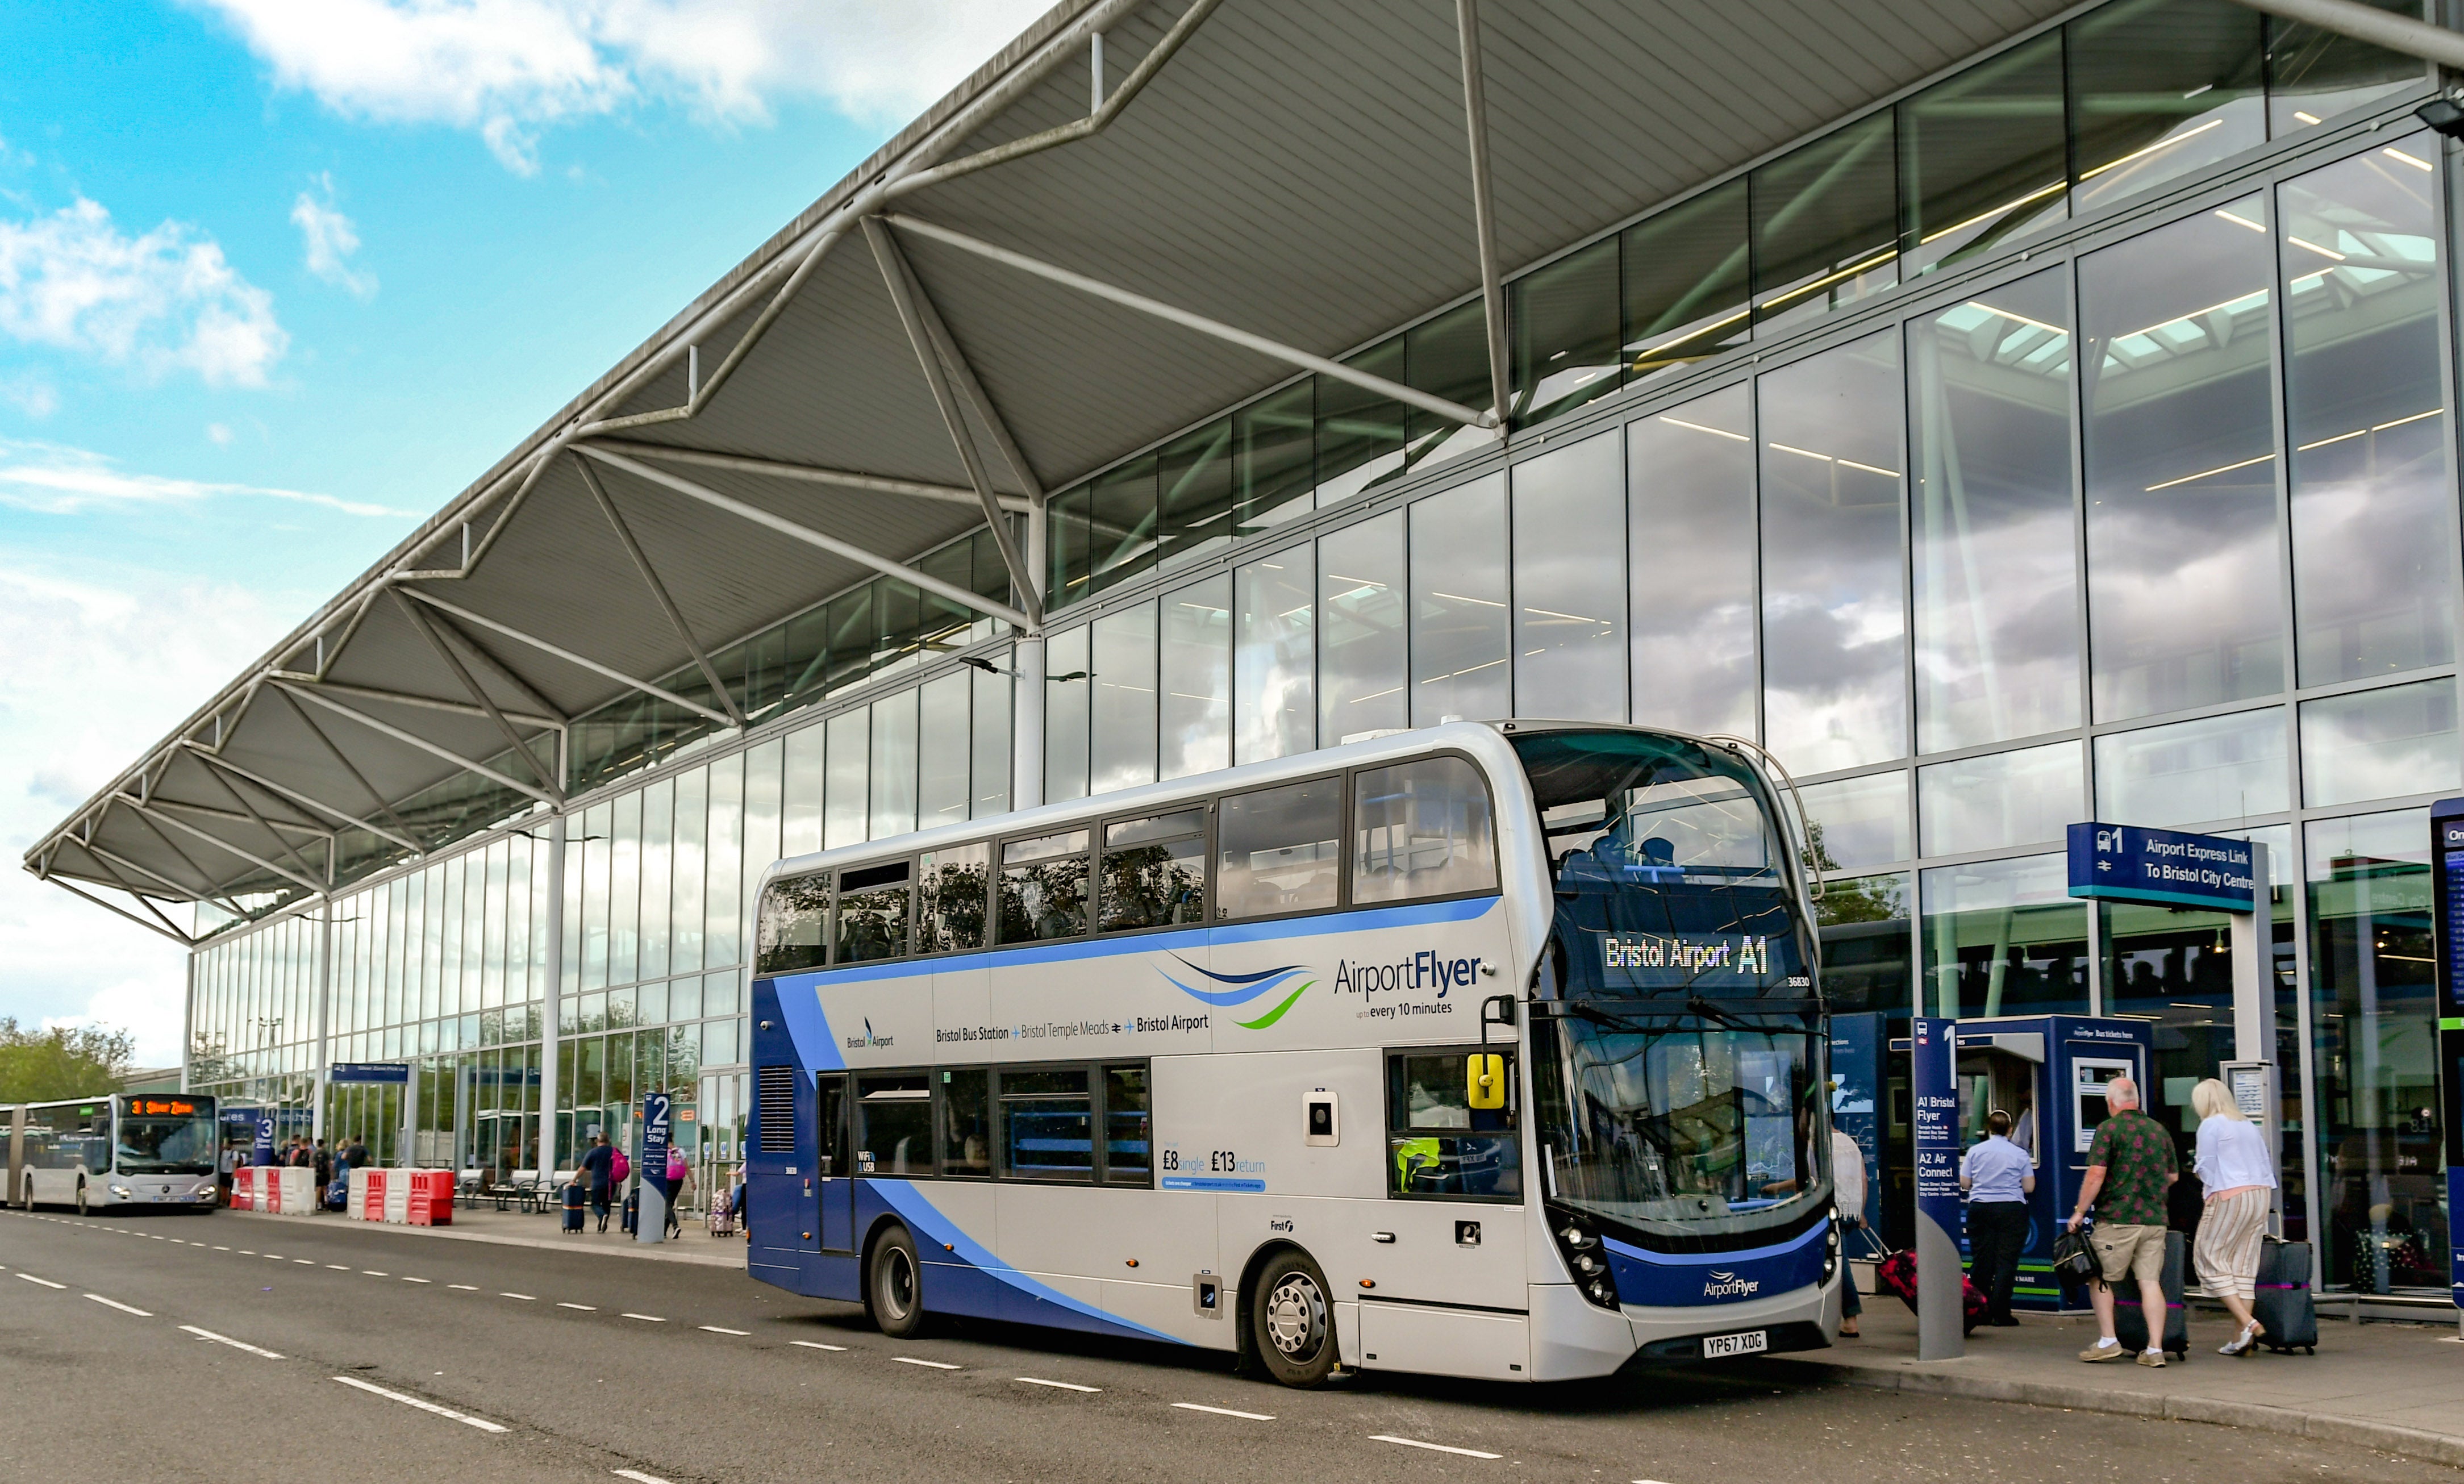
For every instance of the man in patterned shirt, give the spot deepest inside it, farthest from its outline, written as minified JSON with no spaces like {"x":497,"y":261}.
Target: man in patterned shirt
{"x":2131,"y":1163}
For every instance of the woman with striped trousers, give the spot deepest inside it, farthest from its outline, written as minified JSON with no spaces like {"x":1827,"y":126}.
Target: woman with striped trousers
{"x":2238,"y":1170}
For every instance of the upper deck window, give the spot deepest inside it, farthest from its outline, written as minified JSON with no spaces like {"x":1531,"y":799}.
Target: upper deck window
{"x":795,"y":924}
{"x":1279,"y":850}
{"x":1422,"y":829}
{"x":1155,"y":872}
{"x":1043,"y":887}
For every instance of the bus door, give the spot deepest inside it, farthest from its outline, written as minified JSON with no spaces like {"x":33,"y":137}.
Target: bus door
{"x":834,"y":1169}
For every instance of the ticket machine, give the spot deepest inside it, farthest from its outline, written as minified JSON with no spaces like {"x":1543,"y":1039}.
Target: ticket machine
{"x":2049,"y":1072}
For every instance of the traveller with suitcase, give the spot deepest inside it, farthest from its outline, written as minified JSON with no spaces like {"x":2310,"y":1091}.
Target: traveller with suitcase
{"x":2239,"y":1174}
{"x":2130,"y":1165}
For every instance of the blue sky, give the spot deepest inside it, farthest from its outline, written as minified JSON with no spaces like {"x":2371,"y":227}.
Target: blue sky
{"x":277,"y":277}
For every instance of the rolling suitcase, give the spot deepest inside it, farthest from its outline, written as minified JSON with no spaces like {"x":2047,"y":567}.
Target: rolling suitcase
{"x":2130,"y":1326}
{"x":1896,"y":1273}
{"x":573,"y":1204}
{"x":632,"y":1221}
{"x":2282,"y":1302}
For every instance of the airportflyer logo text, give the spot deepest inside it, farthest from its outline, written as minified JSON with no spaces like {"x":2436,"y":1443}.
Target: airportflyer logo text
{"x":1728,"y":1285}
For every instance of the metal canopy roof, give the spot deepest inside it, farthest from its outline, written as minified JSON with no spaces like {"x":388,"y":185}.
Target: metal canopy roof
{"x":1298,"y":170}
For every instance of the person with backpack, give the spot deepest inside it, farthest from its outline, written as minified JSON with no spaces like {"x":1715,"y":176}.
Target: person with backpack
{"x":599,"y":1173}
{"x":2130,"y":1166}
{"x":2234,"y":1165}
{"x":676,"y":1185}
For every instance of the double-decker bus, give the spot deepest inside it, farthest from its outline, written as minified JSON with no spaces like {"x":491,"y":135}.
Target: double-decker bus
{"x":111,"y":1149}
{"x":1481,"y":1050}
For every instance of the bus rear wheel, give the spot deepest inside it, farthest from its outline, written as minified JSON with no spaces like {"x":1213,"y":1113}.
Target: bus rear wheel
{"x":1292,"y":1322}
{"x":894,"y":1285}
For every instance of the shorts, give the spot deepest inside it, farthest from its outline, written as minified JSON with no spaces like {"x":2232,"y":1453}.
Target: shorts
{"x":2129,"y":1251}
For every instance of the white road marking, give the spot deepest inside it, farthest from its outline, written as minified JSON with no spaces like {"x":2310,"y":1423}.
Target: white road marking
{"x":222,"y":1249}
{"x":815,"y":1344}
{"x":269,"y":1258}
{"x":46,"y":1282}
{"x":524,"y":1298}
{"x":374,"y":1273}
{"x":225,"y":1340}
{"x":716,"y":1330}
{"x":1057,"y":1385}
{"x":419,"y":1280}
{"x":1225,"y":1411}
{"x":638,"y":1477}
{"x":464,"y":1286}
{"x":480,"y":1423}
{"x":305,"y":1262}
{"x":584,"y":1308}
{"x":650,"y":1319}
{"x":244,"y":1252}
{"x":938,"y":1365}
{"x":113,"y":1303}
{"x":1435,"y":1448}
{"x":339,"y":1267}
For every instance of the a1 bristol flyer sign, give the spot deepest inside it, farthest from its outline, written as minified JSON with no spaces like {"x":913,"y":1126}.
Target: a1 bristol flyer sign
{"x":2129,"y":863}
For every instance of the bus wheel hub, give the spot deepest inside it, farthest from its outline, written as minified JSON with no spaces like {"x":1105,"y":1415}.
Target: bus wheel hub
{"x":1296,"y":1317}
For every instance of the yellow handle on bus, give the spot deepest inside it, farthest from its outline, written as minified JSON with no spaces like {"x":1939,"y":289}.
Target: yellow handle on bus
{"x":1484,"y":1075}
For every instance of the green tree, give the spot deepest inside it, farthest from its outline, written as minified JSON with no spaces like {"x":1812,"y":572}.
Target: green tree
{"x":65,"y":1061}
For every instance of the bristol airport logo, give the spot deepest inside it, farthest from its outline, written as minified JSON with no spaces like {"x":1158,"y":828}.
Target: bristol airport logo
{"x":1727,"y":1285}
{"x":1245,"y":989}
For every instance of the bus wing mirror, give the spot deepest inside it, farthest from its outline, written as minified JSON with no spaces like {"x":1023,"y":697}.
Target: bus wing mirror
{"x":1484,"y":1079}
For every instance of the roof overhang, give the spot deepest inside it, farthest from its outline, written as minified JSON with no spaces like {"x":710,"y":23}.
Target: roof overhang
{"x":1296,"y":172}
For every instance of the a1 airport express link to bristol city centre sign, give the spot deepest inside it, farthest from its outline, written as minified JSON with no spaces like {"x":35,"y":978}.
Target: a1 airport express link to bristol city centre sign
{"x":2128,"y":863}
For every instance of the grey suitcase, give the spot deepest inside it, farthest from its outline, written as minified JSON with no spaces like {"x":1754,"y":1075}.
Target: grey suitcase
{"x":2130,"y":1326}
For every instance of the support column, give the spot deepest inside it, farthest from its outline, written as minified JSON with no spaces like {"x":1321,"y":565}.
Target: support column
{"x":188,"y":1034}
{"x":2252,"y":938}
{"x":1026,"y":700}
{"x":551,"y":995}
{"x":324,"y":1019}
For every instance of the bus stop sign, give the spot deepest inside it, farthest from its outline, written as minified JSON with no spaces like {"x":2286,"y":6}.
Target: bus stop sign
{"x":2447,"y":936}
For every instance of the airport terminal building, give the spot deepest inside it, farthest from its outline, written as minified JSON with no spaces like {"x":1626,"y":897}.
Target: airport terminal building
{"x":2009,"y":413}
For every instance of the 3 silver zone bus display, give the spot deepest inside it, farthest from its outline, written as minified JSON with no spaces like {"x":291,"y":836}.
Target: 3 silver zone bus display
{"x":111,"y":1149}
{"x":1483,"y":1050}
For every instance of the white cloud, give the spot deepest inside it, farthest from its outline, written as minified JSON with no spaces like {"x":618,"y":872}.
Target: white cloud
{"x":31,"y":394}
{"x":166,"y":300}
{"x":329,"y":238}
{"x":220,"y":434}
{"x":94,"y":677}
{"x":511,"y":68}
{"x":50,"y":479}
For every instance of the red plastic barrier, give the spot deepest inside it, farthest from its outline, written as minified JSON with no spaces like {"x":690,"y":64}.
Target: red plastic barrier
{"x":431,"y":1198}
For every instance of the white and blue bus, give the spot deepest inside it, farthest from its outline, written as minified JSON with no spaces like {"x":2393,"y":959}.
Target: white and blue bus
{"x":1482,"y":1049}
{"x":153,"y":1149}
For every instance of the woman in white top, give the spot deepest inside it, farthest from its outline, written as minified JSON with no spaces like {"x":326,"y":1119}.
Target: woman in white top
{"x":1848,"y":1189}
{"x":2234,"y":1165}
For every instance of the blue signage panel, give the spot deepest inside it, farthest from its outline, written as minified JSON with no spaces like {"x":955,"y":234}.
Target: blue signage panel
{"x":2129,"y":863}
{"x":655,"y":1134}
{"x":1933,"y":1086}
{"x":2446,"y":866}
{"x":1856,"y":1102}
{"x":264,"y":1151}
{"x":396,"y":1071}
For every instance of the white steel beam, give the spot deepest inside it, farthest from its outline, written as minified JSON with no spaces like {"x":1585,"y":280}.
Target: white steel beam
{"x":907,"y":293}
{"x":296,"y":797}
{"x":831,"y":544}
{"x":566,"y":654}
{"x":1393,"y":391}
{"x":846,"y":478}
{"x":459,"y":708}
{"x":167,"y":930}
{"x":219,"y":843}
{"x":1484,"y":205}
{"x":519,"y":744}
{"x":2407,"y":35}
{"x":342,"y":758}
{"x":414,"y":740}
{"x":658,"y":590}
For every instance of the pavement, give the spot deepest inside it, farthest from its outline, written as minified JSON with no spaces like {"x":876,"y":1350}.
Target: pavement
{"x":370,"y":1352}
{"x":2398,"y":1387}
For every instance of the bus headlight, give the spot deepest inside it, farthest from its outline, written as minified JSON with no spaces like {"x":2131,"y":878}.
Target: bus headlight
{"x":121,"y":1191}
{"x":1830,"y":1251}
{"x":1587,"y":1261}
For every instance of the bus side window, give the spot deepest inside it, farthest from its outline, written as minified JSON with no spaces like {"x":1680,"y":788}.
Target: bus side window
{"x":795,"y":915}
{"x":1279,"y":850}
{"x":952,"y":889}
{"x":1129,"y":1127}
{"x":894,"y":1124}
{"x":966,"y":1121}
{"x":1043,"y":887}
{"x":1422,"y":829}
{"x":1047,"y":1124}
{"x":1155,"y":872}
{"x":873,"y":902}
{"x":1441,"y":1137}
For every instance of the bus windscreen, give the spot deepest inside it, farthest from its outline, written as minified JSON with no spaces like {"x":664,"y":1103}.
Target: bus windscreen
{"x":166,"y":1136}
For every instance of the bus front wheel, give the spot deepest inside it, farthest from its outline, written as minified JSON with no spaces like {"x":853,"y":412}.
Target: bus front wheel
{"x":894,"y":1285}
{"x":81,"y":1206}
{"x":1292,"y":1321}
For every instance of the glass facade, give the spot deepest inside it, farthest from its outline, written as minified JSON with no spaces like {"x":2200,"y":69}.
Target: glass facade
{"x":2039,"y":447}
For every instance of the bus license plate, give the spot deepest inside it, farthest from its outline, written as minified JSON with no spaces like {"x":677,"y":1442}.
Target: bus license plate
{"x":1752,"y":1342}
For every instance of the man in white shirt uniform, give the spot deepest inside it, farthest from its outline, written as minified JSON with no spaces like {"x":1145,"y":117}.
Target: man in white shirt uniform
{"x":1998,"y":1176}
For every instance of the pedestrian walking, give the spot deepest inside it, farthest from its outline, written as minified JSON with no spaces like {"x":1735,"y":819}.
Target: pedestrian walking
{"x":2130,"y":1166}
{"x":599,"y":1171}
{"x":1998,"y":1177}
{"x":323,"y":1163}
{"x":2234,"y":1165}
{"x":678,"y":1185}
{"x":1848,"y":1189}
